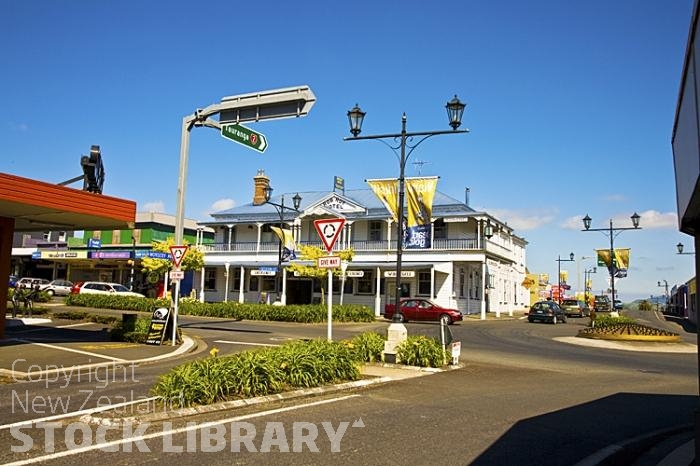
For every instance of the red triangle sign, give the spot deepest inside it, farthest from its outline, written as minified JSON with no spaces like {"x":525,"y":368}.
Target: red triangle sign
{"x":178,"y":252}
{"x":329,"y":230}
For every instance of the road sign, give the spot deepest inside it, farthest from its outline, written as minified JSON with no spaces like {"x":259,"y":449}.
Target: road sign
{"x":178,"y":252}
{"x":245,"y":136}
{"x":355,"y":273}
{"x":328,"y":262}
{"x":177,"y":275}
{"x":329,"y":230}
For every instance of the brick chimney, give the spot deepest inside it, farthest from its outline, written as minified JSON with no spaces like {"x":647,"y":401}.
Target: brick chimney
{"x":260,"y":182}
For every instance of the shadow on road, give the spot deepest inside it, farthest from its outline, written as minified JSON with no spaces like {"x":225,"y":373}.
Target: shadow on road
{"x":569,"y":435}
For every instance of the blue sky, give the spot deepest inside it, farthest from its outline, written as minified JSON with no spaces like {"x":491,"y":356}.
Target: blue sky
{"x":570,"y":106}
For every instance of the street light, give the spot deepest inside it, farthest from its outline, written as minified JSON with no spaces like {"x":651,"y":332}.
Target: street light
{"x":679,"y":246}
{"x":665,"y":286}
{"x":455,"y":108}
{"x":280,"y":208}
{"x":586,"y":278}
{"x":559,"y":261}
{"x":271,"y":104}
{"x":612,"y":233}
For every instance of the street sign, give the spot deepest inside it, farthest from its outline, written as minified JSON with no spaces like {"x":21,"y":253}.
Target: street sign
{"x":328,"y":262}
{"x":245,"y":136}
{"x":177,"y":275}
{"x":355,"y":273}
{"x":178,"y":252}
{"x":329,"y":230}
{"x":404,"y":273}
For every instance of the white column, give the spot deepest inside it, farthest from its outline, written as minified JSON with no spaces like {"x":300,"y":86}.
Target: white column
{"x":226,"y":271}
{"x":241,"y":291}
{"x":230,"y":228}
{"x":283,"y":298}
{"x":377,"y":294}
{"x":201,"y":286}
{"x":259,"y":225}
{"x":484,"y":284}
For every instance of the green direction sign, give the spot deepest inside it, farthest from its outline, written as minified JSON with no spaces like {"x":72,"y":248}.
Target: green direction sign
{"x":245,"y":136}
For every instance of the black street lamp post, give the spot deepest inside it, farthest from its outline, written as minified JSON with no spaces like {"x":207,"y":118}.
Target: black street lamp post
{"x":280,"y":208}
{"x":612,"y":232}
{"x":402,"y":140}
{"x":559,"y":261}
{"x":132,"y":262}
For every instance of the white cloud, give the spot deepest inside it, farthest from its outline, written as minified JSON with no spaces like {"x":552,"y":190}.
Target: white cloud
{"x":652,"y":219}
{"x":222,"y":204}
{"x":153,"y":206}
{"x":523,"y":221}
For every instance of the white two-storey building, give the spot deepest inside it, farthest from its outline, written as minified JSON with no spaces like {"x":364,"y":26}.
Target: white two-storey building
{"x":475,"y":263}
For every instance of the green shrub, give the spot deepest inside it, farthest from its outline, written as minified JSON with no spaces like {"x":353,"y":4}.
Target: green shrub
{"x":606,"y":320}
{"x":422,"y":351}
{"x":255,"y":373}
{"x":302,"y":313}
{"x":367,"y":347}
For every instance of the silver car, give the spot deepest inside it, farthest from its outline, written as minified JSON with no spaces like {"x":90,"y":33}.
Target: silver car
{"x":107,"y":288}
{"x":57,"y":288}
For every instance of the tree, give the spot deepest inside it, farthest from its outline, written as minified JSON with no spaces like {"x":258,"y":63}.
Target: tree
{"x":312,"y":253}
{"x":193,"y":260}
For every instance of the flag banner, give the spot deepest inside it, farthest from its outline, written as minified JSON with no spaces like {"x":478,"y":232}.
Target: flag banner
{"x":564,"y":277}
{"x":420,"y":193}
{"x":618,"y":267}
{"x":339,"y":184}
{"x":288,"y":245}
{"x":388,"y":192}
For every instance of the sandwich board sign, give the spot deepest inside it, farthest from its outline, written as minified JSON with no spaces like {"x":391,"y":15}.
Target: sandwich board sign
{"x":178,"y":252}
{"x":329,"y":230}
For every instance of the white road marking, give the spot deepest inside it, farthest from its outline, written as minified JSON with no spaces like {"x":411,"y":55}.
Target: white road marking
{"x":244,"y":343}
{"x":206,"y":425}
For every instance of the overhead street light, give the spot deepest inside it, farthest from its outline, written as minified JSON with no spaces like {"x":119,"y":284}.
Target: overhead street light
{"x":612,"y":233}
{"x":262,"y":105}
{"x":559,"y":261}
{"x":356,"y":116}
{"x":586,"y":278}
{"x":280,"y":208}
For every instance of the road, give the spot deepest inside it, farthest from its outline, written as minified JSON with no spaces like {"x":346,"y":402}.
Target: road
{"x":522,"y":397}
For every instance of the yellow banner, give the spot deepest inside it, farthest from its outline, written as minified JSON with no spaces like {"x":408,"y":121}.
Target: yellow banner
{"x":622,"y":261}
{"x":289,"y":246}
{"x":388,"y":192}
{"x":420,"y":193}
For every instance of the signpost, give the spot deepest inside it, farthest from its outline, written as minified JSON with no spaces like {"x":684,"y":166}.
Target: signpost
{"x":245,"y":136}
{"x":178,"y":252}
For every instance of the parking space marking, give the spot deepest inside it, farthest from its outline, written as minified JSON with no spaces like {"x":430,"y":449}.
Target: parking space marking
{"x":86,"y":353}
{"x":244,"y":343}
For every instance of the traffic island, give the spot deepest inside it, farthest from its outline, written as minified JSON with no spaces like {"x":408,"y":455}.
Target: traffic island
{"x":629,"y":331}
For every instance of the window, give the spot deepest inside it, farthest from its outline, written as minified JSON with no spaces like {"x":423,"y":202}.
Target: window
{"x":439,"y":229}
{"x":254,"y":284}
{"x":461,"y":283}
{"x":365,"y":284}
{"x":338,"y":283}
{"x":424,"y":283}
{"x":268,"y":283}
{"x":210,"y":278}
{"x":375,"y":230}
{"x":235,"y":279}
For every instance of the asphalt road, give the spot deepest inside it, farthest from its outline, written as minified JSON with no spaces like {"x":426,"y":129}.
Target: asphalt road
{"x":521,"y":398}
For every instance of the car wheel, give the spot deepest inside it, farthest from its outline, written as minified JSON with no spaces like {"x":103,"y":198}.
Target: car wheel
{"x":554,"y":320}
{"x":445,"y":320}
{"x":563,"y":319}
{"x":400,"y":318}
{"x":531,"y":320}
{"x":50,"y":293}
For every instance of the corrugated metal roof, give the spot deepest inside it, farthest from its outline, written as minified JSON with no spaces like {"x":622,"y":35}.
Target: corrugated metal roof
{"x":443,"y":205}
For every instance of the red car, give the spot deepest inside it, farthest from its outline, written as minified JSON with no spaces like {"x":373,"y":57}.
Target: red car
{"x":422,"y":309}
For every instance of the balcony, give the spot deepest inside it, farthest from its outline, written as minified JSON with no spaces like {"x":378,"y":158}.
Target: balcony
{"x":357,"y":245}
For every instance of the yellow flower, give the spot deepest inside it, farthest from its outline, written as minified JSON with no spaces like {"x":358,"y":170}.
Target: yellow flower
{"x":213,"y":352}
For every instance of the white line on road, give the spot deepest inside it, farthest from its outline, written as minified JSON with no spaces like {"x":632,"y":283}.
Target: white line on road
{"x":244,"y":343}
{"x":106,"y":445}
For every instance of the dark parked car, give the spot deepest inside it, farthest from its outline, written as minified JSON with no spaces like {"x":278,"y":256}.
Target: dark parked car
{"x":575,"y":308}
{"x":423,"y":309}
{"x":618,"y":305}
{"x":601,"y":303}
{"x":546,"y":311}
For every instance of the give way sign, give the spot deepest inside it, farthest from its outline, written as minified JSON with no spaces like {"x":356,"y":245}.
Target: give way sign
{"x":329,"y":230}
{"x":178,"y":252}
